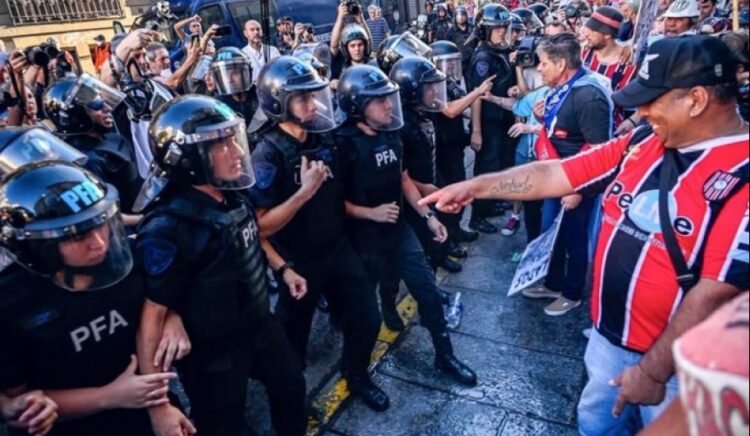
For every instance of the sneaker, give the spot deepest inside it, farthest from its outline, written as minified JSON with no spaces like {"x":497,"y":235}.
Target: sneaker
{"x":540,"y":292}
{"x":511,"y":227}
{"x":561,"y":306}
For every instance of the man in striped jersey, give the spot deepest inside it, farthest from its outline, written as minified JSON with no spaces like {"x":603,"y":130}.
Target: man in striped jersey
{"x":690,"y":165}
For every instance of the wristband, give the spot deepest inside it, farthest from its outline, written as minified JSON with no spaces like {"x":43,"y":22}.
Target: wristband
{"x":429,"y":215}
{"x":283,"y":268}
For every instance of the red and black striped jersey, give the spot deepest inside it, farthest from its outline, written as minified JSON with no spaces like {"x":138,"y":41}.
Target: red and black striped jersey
{"x":635,"y":292}
{"x":619,"y":74}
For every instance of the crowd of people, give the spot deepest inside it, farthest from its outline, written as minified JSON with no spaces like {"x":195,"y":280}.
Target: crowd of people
{"x":148,"y":210}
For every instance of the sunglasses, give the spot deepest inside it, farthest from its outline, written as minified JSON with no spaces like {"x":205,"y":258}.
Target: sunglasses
{"x":96,"y":105}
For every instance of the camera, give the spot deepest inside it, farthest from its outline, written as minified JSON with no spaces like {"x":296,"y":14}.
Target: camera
{"x":526,"y":56}
{"x":309,"y":29}
{"x":40,"y":55}
{"x":352,"y":7}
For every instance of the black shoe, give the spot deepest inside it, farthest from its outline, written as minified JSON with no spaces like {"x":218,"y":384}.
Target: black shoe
{"x":373,"y":396}
{"x":450,"y":265}
{"x":454,"y":368}
{"x":495,"y":210}
{"x":391,"y":318}
{"x":457,"y":251}
{"x":466,"y":235}
{"x":482,"y":225}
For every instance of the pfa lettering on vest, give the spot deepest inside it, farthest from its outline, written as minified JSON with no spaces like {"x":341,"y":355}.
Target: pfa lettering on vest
{"x":97,"y":329}
{"x":249,"y":233}
{"x":385,"y":157}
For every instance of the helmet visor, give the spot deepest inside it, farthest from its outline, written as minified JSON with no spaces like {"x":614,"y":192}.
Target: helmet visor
{"x":313,"y":109}
{"x":96,"y":258}
{"x":226,"y":155}
{"x":232,"y":77}
{"x":409,"y":45}
{"x":451,"y":67}
{"x":384,"y":113}
{"x":434,"y":96}
{"x":88,"y":89}
{"x":36,"y":145}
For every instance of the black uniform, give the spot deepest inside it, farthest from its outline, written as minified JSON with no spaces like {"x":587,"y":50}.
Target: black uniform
{"x":52,"y":338}
{"x":459,"y":37}
{"x":498,"y":149}
{"x":112,"y":158}
{"x":246,"y":109}
{"x":203,"y":259}
{"x":440,"y":28}
{"x":315,"y":241}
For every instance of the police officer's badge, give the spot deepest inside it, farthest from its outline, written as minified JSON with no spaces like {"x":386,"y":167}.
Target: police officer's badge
{"x":482,"y":68}
{"x":158,"y":255}
{"x":265,"y":173}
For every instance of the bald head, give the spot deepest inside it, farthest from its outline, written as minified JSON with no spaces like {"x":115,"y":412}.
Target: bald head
{"x":253,"y":32}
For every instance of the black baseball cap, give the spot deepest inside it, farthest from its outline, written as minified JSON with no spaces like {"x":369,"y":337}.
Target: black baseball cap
{"x":681,"y":62}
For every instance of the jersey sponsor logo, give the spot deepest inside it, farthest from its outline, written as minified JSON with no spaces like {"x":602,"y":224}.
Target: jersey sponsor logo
{"x":85,"y":193}
{"x":158,"y":255}
{"x":643,"y":210}
{"x":560,"y":133}
{"x":265,"y":173}
{"x":719,"y":185}
{"x":97,"y":328}
{"x":482,"y":68}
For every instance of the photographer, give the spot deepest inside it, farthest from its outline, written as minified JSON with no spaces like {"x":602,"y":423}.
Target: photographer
{"x":303,"y":34}
{"x":350,"y":43}
{"x":282,"y":40}
{"x":19,"y":98}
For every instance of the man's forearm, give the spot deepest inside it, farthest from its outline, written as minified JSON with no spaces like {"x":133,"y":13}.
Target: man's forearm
{"x":476,"y":117}
{"x":149,"y":334}
{"x":275,"y":261}
{"x":456,"y":107}
{"x":336,"y":35}
{"x":272,"y":220}
{"x":702,"y":300}
{"x":357,"y":212}
{"x":412,"y":195}
{"x":533,"y":181}
{"x":179,"y":76}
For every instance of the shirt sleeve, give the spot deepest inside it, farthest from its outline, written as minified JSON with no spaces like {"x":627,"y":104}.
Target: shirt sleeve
{"x":523,"y":107}
{"x":726,"y":255}
{"x":592,"y":170}
{"x":268,"y":168}
{"x":594,"y":115}
{"x":12,"y":358}
{"x":161,"y":258}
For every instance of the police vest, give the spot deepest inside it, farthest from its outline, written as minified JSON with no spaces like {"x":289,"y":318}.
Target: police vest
{"x":229,"y":289}
{"x":418,"y":136}
{"x":486,"y":62}
{"x":319,"y":225}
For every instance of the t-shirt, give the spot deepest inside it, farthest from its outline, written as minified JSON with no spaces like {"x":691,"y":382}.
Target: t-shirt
{"x":258,"y":58}
{"x":635,"y":291}
{"x":619,"y":74}
{"x":584,"y":118}
{"x":378,"y":31}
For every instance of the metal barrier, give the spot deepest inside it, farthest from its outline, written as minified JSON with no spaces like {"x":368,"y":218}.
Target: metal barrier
{"x":60,"y":11}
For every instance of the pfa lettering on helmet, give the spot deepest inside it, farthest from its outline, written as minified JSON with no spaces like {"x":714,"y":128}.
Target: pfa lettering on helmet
{"x":81,"y":196}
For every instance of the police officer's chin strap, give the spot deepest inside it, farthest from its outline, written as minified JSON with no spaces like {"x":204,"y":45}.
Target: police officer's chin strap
{"x":94,"y":271}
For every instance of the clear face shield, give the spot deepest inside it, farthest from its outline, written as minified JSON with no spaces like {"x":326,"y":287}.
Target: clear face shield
{"x":434,"y":96}
{"x":313,"y":110}
{"x":88,"y":89}
{"x":232,"y":76}
{"x":409,"y":45}
{"x":450,"y":65}
{"x":500,"y":36}
{"x":225,"y":154}
{"x":36,"y":145}
{"x":384,"y":113}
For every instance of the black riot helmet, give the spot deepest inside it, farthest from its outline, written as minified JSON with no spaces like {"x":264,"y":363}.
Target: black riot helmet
{"x":530,"y":20}
{"x":316,"y":54}
{"x":288,"y":81}
{"x":198,"y":140}
{"x":365,"y":93}
{"x":21,"y":146}
{"x":396,"y":47}
{"x":350,"y":33}
{"x":231,"y":71}
{"x":492,"y":16}
{"x":540,"y":10}
{"x":60,"y":221}
{"x":66,"y":101}
{"x":447,"y":58}
{"x":422,"y":84}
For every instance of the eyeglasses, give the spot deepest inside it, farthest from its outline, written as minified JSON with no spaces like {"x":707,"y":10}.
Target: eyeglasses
{"x":96,"y":105}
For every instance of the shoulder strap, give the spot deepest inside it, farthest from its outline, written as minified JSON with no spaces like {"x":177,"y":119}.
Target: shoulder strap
{"x":287,"y":150}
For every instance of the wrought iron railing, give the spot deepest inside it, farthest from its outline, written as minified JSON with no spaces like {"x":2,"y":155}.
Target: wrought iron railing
{"x":57,"y":11}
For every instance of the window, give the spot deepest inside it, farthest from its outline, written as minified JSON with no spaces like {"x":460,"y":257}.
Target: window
{"x":243,"y":11}
{"x":211,"y":15}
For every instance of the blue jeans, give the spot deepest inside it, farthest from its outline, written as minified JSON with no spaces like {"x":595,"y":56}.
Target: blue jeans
{"x":604,"y":362}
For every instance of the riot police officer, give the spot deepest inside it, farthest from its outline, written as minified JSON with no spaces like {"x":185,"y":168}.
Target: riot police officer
{"x":495,"y":150}
{"x":459,"y":35}
{"x":300,"y":199}
{"x":68,"y":317}
{"x":375,"y":197}
{"x":233,"y":76}
{"x":442,"y":25}
{"x":81,"y":110}
{"x":199,"y":248}
{"x":396,"y":47}
{"x":354,"y":48}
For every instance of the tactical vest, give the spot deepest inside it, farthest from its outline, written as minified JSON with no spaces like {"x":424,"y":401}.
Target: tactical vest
{"x":499,"y":65}
{"x":418,"y":135}
{"x":228,"y":293}
{"x":318,"y":227}
{"x":449,"y":132}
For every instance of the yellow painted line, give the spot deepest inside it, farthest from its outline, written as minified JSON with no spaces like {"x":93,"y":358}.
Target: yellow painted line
{"x":326,"y":404}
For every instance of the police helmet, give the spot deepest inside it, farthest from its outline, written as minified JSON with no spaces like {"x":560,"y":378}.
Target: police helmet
{"x":491,"y":16}
{"x":362,"y":85}
{"x":286,"y":78}
{"x":47,"y":208}
{"x":232,"y":71}
{"x":530,"y":20}
{"x":21,"y":146}
{"x":461,"y":10}
{"x":448,"y":59}
{"x":540,"y":10}
{"x":317,"y":55}
{"x":745,"y":17}
{"x":198,"y":140}
{"x":422,"y":84}
{"x":516,"y":23}
{"x":397,"y":47}
{"x":66,"y":102}
{"x":351,"y":33}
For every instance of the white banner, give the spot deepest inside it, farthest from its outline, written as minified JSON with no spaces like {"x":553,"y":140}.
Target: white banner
{"x":536,"y":257}
{"x":646,"y":17}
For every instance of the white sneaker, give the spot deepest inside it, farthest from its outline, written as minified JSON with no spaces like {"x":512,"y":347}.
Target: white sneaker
{"x":540,"y":291}
{"x":561,"y":306}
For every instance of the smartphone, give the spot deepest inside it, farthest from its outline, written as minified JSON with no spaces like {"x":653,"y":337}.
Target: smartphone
{"x":195,"y":39}
{"x":223,"y":30}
